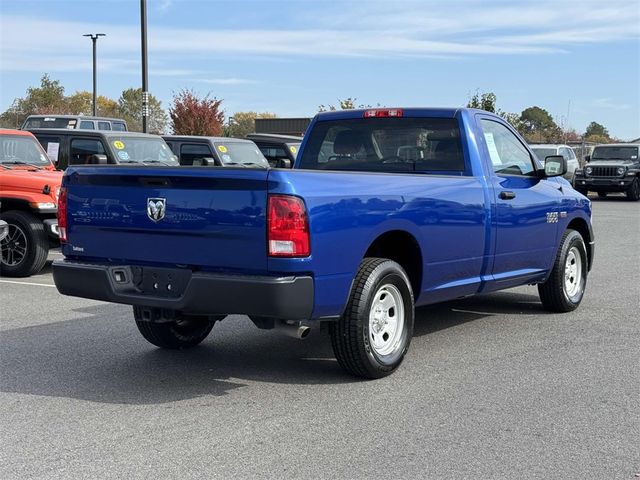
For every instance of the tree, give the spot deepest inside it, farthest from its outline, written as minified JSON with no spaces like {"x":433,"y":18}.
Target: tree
{"x":486,"y":101}
{"x":595,"y":129}
{"x":348,"y":103}
{"x":244,"y":123}
{"x":191,"y":115}
{"x":47,"y":98}
{"x":538,"y":125}
{"x":130,"y":108}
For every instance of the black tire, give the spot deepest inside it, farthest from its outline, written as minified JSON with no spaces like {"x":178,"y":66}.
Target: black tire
{"x":180,"y":331}
{"x":351,"y":337}
{"x":27,"y":238}
{"x":602,"y":194}
{"x":633,"y":192}
{"x":554,"y":293}
{"x":582,"y":191}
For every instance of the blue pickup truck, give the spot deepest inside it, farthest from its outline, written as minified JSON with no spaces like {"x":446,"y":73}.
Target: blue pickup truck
{"x":384,"y":210}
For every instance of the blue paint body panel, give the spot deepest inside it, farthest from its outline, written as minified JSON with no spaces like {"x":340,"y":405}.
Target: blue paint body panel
{"x":471,"y":241}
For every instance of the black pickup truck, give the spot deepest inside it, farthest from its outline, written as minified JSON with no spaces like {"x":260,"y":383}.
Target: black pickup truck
{"x":611,"y":168}
{"x":216,"y":151}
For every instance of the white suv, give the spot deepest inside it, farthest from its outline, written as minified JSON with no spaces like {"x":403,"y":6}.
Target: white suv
{"x":543,"y":150}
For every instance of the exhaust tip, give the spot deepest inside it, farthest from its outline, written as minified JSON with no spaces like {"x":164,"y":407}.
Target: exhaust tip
{"x":303,"y":332}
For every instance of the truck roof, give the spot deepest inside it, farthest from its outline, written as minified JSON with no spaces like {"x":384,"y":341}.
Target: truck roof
{"x":407,"y":112}
{"x":10,"y":131}
{"x":618,"y":145}
{"x":199,"y":137}
{"x":274,"y":137}
{"x":95,"y":133}
{"x":83,"y":117}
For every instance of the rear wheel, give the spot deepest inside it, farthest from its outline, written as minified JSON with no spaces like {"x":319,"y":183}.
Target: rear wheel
{"x":633,"y":192}
{"x":26,"y":246}
{"x":173,"y":330}
{"x":564,"y":289}
{"x":372,"y":337}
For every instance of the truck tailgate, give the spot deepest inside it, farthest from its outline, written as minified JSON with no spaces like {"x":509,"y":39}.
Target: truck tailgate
{"x":203,"y":218}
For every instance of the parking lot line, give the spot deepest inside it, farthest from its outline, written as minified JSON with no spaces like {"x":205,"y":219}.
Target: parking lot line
{"x":28,"y":283}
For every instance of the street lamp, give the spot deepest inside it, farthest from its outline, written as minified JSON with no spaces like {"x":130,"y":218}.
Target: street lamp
{"x":94,"y":39}
{"x":145,"y":72}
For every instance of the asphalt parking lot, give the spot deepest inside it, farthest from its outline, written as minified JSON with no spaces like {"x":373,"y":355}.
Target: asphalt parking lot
{"x":493,"y":387}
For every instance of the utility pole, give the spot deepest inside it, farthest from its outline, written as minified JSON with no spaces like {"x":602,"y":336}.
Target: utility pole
{"x":94,"y":40}
{"x":145,"y":73}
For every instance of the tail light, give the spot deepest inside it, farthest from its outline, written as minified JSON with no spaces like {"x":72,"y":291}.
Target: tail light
{"x":287,"y":227}
{"x":62,"y":215}
{"x":383,"y":113}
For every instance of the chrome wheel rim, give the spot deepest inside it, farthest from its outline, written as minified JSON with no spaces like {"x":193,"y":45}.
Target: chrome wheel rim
{"x":386,"y":320}
{"x":14,"y":246}
{"x":573,"y":273}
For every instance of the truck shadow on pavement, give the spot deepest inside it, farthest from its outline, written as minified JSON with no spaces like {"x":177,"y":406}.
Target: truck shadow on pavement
{"x":101,"y":357}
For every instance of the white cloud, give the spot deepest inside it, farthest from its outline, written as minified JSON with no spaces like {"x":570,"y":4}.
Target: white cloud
{"x":610,"y":104}
{"x":368,"y":29}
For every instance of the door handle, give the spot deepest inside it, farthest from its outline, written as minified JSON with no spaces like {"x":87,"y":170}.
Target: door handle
{"x":507,"y":195}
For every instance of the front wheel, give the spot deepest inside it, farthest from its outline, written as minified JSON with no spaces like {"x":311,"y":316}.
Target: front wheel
{"x":372,"y":337}
{"x":633,"y":192}
{"x":564,"y":289}
{"x":177,"y":331}
{"x":26,"y":246}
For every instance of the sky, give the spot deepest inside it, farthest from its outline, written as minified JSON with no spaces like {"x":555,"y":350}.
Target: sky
{"x":578,"y":59}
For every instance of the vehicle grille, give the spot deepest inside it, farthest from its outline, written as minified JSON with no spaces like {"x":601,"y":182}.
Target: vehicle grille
{"x":605,"y":172}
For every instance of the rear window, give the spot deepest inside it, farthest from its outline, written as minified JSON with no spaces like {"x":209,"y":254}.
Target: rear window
{"x":50,"y":122}
{"x":245,"y":154}
{"x":400,"y":145}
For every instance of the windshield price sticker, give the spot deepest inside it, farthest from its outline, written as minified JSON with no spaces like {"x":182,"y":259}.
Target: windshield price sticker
{"x":222,"y":148}
{"x":118,"y":144}
{"x":293,"y":149}
{"x":123,"y":155}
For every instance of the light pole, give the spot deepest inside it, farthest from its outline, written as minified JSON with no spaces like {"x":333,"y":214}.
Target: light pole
{"x":145,"y":76}
{"x":94,"y":40}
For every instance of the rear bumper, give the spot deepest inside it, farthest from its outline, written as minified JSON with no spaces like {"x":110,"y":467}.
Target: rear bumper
{"x":287,"y":298}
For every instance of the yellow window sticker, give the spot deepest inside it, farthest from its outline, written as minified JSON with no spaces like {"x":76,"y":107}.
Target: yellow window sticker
{"x":118,"y":144}
{"x":293,"y":149}
{"x":222,"y":148}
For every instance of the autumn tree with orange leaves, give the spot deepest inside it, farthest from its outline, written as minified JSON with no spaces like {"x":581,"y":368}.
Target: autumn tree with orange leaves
{"x":191,"y":115}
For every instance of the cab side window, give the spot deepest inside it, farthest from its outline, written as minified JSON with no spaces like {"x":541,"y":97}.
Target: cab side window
{"x":104,"y":126}
{"x":82,"y":149}
{"x":507,"y":153}
{"x":191,"y":151}
{"x":87,"y":125}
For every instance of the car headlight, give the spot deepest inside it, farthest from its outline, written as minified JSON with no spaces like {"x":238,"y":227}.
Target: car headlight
{"x":588,"y":170}
{"x":621,"y":170}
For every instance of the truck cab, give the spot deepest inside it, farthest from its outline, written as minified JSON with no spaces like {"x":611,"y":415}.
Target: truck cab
{"x":216,"y":151}
{"x":78,"y":147}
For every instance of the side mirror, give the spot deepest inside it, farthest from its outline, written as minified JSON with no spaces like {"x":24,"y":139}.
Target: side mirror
{"x":284,"y":163}
{"x":204,"y":162}
{"x":555,"y":166}
{"x":587,"y":158}
{"x":98,"y":159}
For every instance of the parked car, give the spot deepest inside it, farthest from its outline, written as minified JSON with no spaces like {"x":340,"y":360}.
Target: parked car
{"x":611,"y":168}
{"x":74,"y":122}
{"x":412,"y":207}
{"x":543,"y":150}
{"x":29,"y":189}
{"x":80,"y":147}
{"x":216,"y":151}
{"x":279,"y":150}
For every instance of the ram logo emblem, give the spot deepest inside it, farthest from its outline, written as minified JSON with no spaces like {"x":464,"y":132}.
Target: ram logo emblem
{"x":156,"y":208}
